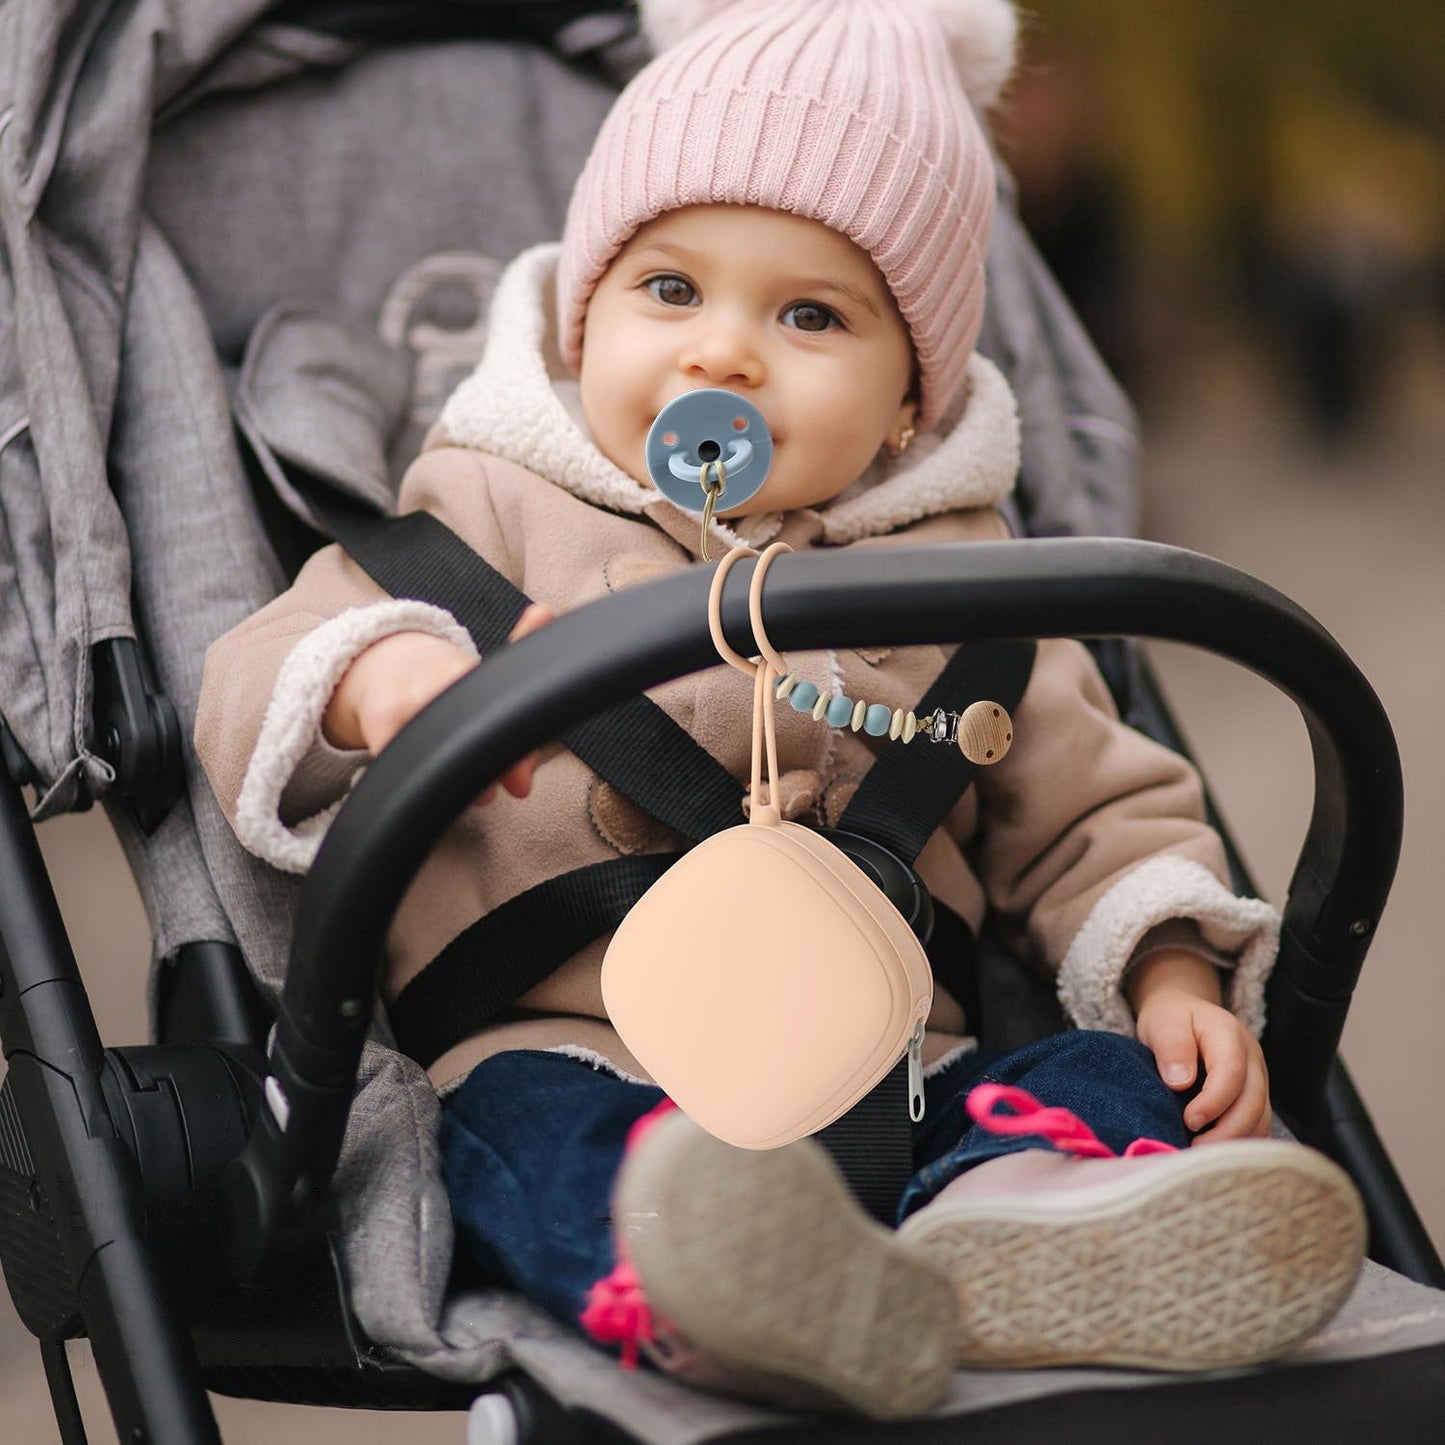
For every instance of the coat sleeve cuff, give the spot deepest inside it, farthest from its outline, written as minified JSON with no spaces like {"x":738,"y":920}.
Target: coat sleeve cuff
{"x":1244,"y":930}
{"x":291,"y":729}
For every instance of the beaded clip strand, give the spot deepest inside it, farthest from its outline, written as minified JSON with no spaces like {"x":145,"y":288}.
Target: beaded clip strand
{"x":984,"y":731}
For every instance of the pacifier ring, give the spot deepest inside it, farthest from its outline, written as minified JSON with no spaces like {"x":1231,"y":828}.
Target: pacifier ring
{"x":713,"y":490}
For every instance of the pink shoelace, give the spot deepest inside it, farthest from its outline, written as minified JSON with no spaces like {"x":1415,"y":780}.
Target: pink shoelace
{"x":1062,"y":1128}
{"x":617,"y":1311}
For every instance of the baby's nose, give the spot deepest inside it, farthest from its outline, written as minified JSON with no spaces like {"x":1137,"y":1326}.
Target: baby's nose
{"x":724,"y":355}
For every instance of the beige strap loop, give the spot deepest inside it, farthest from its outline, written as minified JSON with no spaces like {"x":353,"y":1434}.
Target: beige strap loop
{"x":764,"y":810}
{"x":765,"y":673}
{"x":775,"y":659}
{"x":714,"y":610}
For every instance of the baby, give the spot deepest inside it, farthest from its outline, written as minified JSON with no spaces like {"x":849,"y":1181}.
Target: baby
{"x":793,"y":202}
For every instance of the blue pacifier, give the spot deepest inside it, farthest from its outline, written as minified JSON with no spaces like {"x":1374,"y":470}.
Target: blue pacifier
{"x":703,"y":438}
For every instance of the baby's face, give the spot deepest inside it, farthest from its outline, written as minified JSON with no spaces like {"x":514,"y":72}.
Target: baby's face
{"x":781,"y":310}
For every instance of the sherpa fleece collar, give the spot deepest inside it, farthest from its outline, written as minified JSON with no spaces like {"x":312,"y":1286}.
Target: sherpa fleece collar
{"x":520,"y":403}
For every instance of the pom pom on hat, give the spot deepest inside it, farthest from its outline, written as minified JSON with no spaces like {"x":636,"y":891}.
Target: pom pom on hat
{"x":982,"y":35}
{"x":666,"y":22}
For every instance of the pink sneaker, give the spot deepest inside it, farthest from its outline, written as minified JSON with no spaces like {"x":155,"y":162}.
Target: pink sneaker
{"x":1196,"y":1259}
{"x":755,"y":1272}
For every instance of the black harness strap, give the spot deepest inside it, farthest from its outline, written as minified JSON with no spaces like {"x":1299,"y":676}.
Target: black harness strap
{"x":904,"y":797}
{"x":513,"y":948}
{"x":872,"y":1145}
{"x":419,"y":557}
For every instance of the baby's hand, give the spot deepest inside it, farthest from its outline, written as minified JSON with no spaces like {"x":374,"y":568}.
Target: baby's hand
{"x":395,"y":678}
{"x":1181,"y":1024}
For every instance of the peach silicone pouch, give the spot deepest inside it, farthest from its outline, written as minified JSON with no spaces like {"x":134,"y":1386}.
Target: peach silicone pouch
{"x":764,"y":981}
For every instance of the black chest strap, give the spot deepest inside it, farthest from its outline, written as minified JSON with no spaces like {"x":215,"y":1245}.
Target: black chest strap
{"x":420,"y":558}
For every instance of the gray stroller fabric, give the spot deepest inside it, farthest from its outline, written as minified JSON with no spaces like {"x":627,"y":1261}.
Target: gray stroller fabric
{"x":1384,"y":1314}
{"x":303,"y":247}
{"x":78,"y":85}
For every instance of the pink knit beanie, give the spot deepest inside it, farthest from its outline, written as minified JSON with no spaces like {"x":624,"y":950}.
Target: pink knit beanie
{"x":855,"y":113}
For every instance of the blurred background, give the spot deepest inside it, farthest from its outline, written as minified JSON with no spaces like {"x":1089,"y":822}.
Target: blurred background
{"x":1246,"y":204}
{"x":1270,"y":173}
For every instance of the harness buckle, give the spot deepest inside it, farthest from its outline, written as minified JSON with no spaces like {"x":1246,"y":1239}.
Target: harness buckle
{"x":899,"y":881}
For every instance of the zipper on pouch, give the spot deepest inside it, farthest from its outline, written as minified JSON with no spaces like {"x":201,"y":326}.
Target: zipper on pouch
{"x":915,"y":1073}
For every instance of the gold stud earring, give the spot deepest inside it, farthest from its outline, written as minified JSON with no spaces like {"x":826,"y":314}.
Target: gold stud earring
{"x":905,"y":440}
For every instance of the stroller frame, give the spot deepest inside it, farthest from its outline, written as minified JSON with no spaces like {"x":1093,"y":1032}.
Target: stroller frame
{"x":105,"y":1220}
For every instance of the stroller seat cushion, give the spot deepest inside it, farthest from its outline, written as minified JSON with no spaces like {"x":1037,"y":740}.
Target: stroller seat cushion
{"x":324,"y":396}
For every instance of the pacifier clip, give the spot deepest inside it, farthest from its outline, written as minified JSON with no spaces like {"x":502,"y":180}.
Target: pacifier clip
{"x":984,"y":731}
{"x":718,"y":442}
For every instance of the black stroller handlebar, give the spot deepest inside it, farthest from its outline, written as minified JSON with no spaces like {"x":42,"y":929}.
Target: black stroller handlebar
{"x":596,"y":657}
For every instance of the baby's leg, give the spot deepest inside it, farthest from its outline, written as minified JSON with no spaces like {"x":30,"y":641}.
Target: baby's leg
{"x":760,"y":1274}
{"x":530,"y":1143}
{"x":1110,"y":1082}
{"x":1216,"y":1256}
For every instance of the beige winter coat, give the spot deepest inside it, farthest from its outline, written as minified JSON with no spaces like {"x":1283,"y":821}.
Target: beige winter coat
{"x":1083,"y":839}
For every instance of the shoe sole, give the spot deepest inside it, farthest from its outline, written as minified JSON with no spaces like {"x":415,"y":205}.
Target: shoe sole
{"x":1228,"y":1255}
{"x":763,"y":1260}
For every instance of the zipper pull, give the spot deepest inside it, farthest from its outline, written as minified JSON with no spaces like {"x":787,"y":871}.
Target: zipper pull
{"x":915,"y":1073}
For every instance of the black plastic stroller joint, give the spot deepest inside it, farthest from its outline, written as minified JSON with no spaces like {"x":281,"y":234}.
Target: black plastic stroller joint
{"x":136,"y":731}
{"x":596,"y":657}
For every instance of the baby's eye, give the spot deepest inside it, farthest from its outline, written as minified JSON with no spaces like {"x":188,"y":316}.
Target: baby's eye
{"x":811,"y":316}
{"x":672,"y":290}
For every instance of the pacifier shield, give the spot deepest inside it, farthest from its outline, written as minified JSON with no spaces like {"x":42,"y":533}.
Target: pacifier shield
{"x":705,"y":426}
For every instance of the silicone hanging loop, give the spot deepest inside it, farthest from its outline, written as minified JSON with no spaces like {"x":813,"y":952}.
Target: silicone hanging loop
{"x":714,"y":611}
{"x":775,"y":659}
{"x":765,"y":677}
{"x":764,"y":810}
{"x":769,"y":670}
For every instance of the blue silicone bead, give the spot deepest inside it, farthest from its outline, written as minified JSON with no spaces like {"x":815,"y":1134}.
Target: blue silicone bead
{"x":840,"y":711}
{"x":876,"y":719}
{"x":803,"y":696}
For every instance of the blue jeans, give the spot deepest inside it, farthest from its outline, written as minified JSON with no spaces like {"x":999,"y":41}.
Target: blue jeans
{"x":531,"y":1142}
